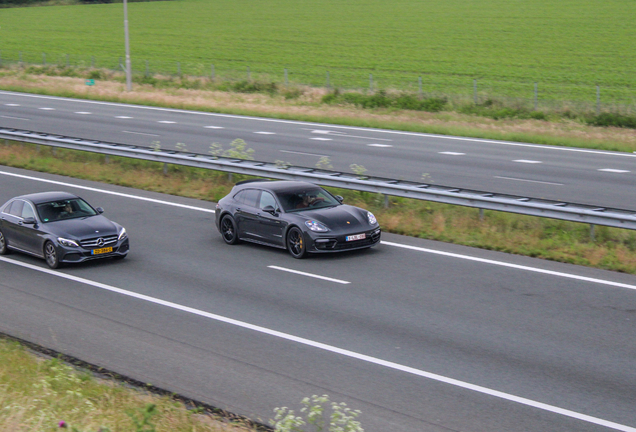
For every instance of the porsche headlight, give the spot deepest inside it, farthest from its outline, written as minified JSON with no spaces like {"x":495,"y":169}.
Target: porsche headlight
{"x":67,"y":242}
{"x":122,"y":234}
{"x":372,"y":219}
{"x":314,"y":225}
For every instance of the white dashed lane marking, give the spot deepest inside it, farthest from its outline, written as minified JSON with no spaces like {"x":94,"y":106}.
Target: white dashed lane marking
{"x":83,"y":112}
{"x":166,"y":122}
{"x":613,"y":170}
{"x":213,"y":127}
{"x":379,"y":145}
{"x":265,"y":133}
{"x":309,"y":275}
{"x":47,"y":109}
{"x":321,"y":139}
{"x":452,"y":153}
{"x":527,"y":161}
{"x":123,"y":117}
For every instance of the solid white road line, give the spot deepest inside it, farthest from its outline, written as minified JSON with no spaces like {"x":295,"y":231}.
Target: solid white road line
{"x":59,"y":183}
{"x":515,"y":266}
{"x":333,"y":349}
{"x":309,"y":275}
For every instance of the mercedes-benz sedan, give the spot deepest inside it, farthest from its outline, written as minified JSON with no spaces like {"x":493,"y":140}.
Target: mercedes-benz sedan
{"x":61,"y":228}
{"x":298,"y":216}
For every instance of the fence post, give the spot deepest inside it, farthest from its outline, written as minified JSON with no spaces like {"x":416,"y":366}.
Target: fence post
{"x":43,"y":59}
{"x":93,"y":62}
{"x":121,"y":66}
{"x":475,"y":91}
{"x":328,"y":84}
{"x":212,"y":73}
{"x":147,"y":69}
{"x":68,"y":61}
{"x":371,"y":83}
{"x":20,"y":59}
{"x":249,"y":74}
{"x":598,"y":99}
{"x":419,"y":84}
{"x":535,"y":96}
{"x":178,"y":68}
{"x":286,"y":82}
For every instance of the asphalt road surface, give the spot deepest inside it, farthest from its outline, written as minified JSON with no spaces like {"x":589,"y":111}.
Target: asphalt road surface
{"x":599,"y":178}
{"x":418,"y":335}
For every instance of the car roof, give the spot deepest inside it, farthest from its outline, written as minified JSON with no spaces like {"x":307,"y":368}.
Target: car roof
{"x":276,"y":185}
{"x":41,"y":197}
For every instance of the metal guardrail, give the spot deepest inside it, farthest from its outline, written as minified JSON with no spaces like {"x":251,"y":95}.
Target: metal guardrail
{"x":588,"y":214}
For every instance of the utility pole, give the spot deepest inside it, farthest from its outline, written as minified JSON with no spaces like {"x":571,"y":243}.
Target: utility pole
{"x":128,"y":73}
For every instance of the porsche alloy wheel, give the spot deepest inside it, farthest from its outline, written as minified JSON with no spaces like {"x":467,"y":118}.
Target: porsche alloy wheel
{"x":296,"y":244}
{"x":228,"y":230}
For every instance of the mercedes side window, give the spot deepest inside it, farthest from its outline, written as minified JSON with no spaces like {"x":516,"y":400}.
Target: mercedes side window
{"x":27,"y":211}
{"x":16,"y":208}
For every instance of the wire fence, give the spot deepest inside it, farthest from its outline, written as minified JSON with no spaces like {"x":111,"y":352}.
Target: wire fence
{"x":547,"y":95}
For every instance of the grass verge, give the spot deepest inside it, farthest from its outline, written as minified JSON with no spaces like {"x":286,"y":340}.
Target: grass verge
{"x":568,"y":242}
{"x":43,"y":393}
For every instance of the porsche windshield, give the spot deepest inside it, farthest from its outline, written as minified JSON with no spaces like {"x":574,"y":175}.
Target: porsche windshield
{"x":306,"y":199}
{"x":65,"y":209}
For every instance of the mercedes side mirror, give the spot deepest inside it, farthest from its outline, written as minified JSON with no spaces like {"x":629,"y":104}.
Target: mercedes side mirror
{"x":29,"y":221}
{"x":99,"y":210}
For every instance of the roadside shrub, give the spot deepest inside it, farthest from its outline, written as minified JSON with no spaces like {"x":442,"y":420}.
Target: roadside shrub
{"x":612,"y":119}
{"x":254,"y":87}
{"x":382,"y":99}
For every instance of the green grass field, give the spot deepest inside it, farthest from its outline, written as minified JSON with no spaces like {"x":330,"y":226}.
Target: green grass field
{"x":567,"y":47}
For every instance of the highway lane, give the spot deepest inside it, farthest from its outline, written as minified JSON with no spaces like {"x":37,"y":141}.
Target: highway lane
{"x":539,"y":331}
{"x":575,"y":175}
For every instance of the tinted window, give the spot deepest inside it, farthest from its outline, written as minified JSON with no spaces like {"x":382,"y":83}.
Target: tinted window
{"x":27,"y":211}
{"x":16,"y":208}
{"x":65,"y":209}
{"x":309,"y":198}
{"x":267,"y":199}
{"x":248,"y":197}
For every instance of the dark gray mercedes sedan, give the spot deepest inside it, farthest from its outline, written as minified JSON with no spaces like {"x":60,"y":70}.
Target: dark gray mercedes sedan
{"x":298,"y":216}
{"x":61,"y":228}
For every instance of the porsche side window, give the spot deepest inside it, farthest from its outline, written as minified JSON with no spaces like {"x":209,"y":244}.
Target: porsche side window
{"x":251,"y":197}
{"x":267,"y":199}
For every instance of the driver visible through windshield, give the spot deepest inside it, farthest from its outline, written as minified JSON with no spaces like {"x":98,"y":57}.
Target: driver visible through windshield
{"x":65,"y":209}
{"x":306,"y":199}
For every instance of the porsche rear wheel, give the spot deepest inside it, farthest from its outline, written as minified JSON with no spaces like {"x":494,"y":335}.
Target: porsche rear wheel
{"x":296,"y":243}
{"x":228,"y":230}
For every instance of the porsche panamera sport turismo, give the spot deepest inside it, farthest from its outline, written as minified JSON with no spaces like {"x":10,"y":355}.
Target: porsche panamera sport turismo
{"x":298,"y":216}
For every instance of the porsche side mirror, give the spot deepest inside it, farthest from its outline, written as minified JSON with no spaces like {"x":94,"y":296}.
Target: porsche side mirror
{"x":99,"y":210}
{"x":270,"y":209}
{"x":339,"y":198}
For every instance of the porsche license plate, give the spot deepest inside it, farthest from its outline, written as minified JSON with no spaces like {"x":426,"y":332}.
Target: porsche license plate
{"x":101,"y":251}
{"x":356,"y":237}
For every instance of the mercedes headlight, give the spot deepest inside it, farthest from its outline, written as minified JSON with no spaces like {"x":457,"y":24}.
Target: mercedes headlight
{"x":67,"y":242}
{"x":122,"y":234}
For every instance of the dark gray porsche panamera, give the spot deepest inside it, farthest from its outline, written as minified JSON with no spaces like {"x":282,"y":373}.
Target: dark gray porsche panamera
{"x":61,"y":228}
{"x":298,"y":216}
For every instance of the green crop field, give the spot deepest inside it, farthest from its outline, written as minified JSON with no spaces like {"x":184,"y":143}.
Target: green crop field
{"x":567,"y":47}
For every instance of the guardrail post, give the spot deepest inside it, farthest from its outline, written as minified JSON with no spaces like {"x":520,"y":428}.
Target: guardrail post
{"x":386,"y":201}
{"x":592,"y":231}
{"x":481,"y":214}
{"x":165,"y":168}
